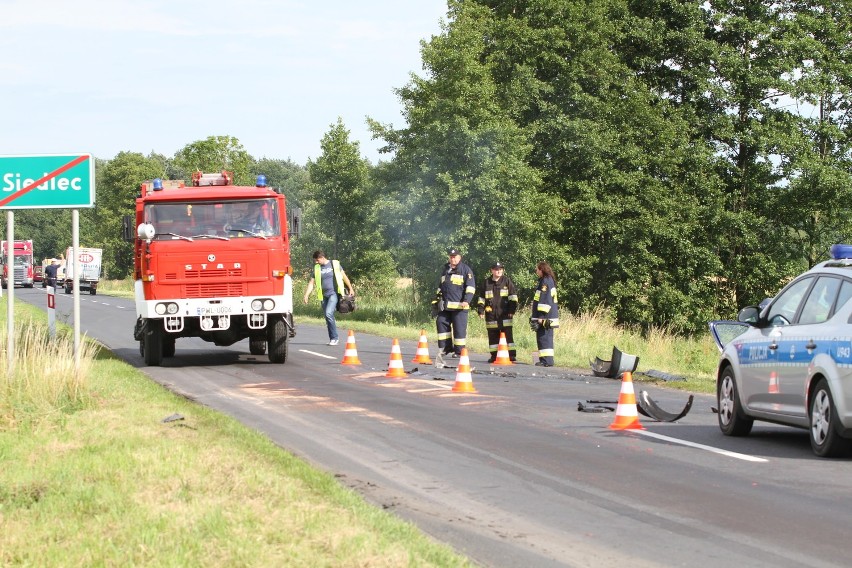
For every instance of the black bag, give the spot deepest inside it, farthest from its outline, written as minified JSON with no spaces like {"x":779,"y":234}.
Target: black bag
{"x":437,"y":307}
{"x":346,"y":304}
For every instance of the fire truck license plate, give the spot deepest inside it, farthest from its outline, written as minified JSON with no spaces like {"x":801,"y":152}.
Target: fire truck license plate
{"x":214,"y":310}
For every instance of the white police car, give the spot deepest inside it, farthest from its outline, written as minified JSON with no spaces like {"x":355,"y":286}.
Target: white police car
{"x":791,"y":361}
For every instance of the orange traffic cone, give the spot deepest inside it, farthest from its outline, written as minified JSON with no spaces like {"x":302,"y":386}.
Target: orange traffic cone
{"x":422,"y":355}
{"x":395,"y":369}
{"x":464,"y":382}
{"x":626,"y":415}
{"x":350,"y":357}
{"x":502,"y":352}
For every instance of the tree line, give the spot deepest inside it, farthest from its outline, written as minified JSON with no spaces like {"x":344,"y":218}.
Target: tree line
{"x":673,"y":160}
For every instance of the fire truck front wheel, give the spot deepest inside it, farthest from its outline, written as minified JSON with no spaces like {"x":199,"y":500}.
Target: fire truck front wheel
{"x":153,"y":348}
{"x":276,"y":339}
{"x":169,"y":346}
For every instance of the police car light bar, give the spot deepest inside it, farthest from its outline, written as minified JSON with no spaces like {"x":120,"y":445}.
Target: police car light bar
{"x":841,"y":252}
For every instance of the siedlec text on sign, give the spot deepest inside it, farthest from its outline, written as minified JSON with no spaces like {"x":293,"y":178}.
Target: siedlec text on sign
{"x":13,"y":182}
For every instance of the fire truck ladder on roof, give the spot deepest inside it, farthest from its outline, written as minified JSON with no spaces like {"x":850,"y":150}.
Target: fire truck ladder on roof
{"x":201,"y":179}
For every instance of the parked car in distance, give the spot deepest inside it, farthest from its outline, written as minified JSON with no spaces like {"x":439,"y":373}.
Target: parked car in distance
{"x":38,"y":273}
{"x":790,"y":362}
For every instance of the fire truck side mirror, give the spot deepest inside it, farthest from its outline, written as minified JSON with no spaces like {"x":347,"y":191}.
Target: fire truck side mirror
{"x":127,"y":230}
{"x":294,"y":221}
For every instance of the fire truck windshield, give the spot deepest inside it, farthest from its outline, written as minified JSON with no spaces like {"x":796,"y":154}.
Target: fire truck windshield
{"x":223,"y":219}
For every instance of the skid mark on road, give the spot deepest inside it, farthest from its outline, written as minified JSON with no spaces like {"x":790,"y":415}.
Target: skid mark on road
{"x":297,"y":397}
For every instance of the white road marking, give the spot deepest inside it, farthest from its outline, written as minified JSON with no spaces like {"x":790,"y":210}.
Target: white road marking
{"x":744,"y":457}
{"x":317,"y":354}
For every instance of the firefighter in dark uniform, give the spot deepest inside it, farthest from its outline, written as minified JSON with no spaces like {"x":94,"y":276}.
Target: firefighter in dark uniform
{"x":452,"y":304}
{"x":545,"y":313}
{"x":498,"y":302}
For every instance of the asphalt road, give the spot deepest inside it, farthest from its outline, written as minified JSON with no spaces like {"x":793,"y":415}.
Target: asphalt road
{"x":514,"y":474}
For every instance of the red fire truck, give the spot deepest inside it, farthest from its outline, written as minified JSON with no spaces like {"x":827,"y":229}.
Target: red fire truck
{"x":21,"y":272}
{"x":212,"y":260}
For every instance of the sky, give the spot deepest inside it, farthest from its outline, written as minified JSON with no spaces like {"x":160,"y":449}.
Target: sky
{"x":109,"y":76}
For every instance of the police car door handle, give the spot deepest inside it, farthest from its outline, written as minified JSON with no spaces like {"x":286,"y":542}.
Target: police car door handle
{"x":773,"y":345}
{"x":811,"y":345}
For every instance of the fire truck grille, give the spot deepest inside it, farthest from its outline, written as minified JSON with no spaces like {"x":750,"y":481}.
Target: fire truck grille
{"x":222,"y":289}
{"x":208,"y":283}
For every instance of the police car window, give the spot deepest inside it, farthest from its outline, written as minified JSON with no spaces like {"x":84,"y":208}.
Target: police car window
{"x":844,"y":295}
{"x":783,"y":309}
{"x":817,"y":307}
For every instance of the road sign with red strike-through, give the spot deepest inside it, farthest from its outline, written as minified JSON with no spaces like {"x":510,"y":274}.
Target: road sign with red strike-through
{"x":47,"y":181}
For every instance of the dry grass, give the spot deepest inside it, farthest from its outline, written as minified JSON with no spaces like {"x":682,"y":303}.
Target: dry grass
{"x":45,"y":378}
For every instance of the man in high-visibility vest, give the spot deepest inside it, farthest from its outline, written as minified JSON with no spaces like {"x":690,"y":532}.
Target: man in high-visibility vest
{"x":331,"y":277}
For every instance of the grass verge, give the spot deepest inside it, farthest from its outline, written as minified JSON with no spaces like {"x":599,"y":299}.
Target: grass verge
{"x":92,"y":476}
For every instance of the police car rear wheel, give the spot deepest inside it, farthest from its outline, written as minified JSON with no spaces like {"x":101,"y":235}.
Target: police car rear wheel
{"x":825,"y":439}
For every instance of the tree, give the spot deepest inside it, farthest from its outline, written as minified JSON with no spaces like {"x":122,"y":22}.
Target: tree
{"x":460,"y":172}
{"x":532,"y":138}
{"x":339,"y":209}
{"x":49,"y":229}
{"x":118,"y":184}
{"x":816,"y":153}
{"x":214,"y":154}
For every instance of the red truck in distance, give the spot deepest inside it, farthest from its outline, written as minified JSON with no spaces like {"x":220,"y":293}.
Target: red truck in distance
{"x":20,"y":271}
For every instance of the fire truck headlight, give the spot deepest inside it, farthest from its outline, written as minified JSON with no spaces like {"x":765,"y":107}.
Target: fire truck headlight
{"x":256,"y":305}
{"x":172,"y":309}
{"x":160,"y":309}
{"x":268,"y":304}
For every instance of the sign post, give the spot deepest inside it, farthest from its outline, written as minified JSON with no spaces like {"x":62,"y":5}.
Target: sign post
{"x":45,"y":181}
{"x":10,"y":297}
